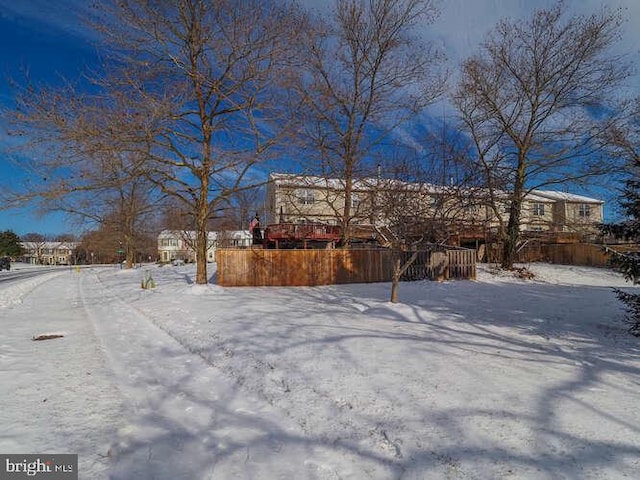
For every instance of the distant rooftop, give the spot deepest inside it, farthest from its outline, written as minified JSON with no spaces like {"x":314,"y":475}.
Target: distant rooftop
{"x":569,"y":197}
{"x":368,"y":183}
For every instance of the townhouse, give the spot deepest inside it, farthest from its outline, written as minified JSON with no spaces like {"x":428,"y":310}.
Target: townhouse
{"x":465,"y":214}
{"x":49,"y":253}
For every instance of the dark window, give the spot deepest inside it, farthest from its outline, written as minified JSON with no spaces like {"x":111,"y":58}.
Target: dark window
{"x":306,"y":196}
{"x":538,"y":209}
{"x":584,"y":210}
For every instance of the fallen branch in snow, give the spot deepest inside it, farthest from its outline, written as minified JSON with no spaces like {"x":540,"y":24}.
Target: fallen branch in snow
{"x":523,"y":273}
{"x":46,"y":336}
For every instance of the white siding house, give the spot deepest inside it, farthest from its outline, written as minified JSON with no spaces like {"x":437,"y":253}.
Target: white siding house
{"x":180,"y":244}
{"x":49,"y":253}
{"x":300,"y":199}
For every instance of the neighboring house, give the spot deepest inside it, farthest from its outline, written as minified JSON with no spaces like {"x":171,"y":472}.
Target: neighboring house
{"x":234,"y":239}
{"x":49,"y":253}
{"x":305,"y":199}
{"x":308,"y":199}
{"x":568,"y":212}
{"x":180,"y":244}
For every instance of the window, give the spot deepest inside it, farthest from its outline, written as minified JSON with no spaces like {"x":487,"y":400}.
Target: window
{"x":355,"y":201}
{"x":470,"y":207}
{"x":538,"y":209}
{"x":306,"y":196}
{"x":169,"y":242}
{"x":584,"y":210}
{"x":436,"y":202}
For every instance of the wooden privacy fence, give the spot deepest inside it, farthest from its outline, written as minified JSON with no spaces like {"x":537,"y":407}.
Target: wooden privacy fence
{"x":263,"y":267}
{"x":581,"y":254}
{"x":456,"y":264}
{"x":585,"y":254}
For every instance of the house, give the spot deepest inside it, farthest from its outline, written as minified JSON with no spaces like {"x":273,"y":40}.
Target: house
{"x":234,"y":239}
{"x":180,"y":244}
{"x":309,"y":199}
{"x":562,"y":212}
{"x":49,"y":253}
{"x":463,"y":213}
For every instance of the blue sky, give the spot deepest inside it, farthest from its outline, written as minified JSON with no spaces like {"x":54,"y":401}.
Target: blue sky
{"x":47,"y":39}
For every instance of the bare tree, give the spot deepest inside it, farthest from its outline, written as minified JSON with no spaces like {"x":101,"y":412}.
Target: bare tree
{"x":209,"y":71}
{"x":363,"y":73}
{"x":241,"y":207}
{"x":416,"y":210}
{"x":85,"y":163}
{"x":624,"y":137}
{"x":535,"y":100}
{"x":101,"y":245}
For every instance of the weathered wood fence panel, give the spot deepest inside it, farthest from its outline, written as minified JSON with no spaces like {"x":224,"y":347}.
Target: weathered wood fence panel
{"x":437,"y":265}
{"x":576,"y":254}
{"x":262,"y":267}
{"x":419,"y":269}
{"x":581,"y":254}
{"x":462,"y":264}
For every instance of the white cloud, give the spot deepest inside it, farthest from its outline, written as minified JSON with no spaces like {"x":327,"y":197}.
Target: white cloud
{"x":61,"y":17}
{"x":463,"y":23}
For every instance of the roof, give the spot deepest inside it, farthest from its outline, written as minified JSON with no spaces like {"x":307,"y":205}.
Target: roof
{"x":190,"y":234}
{"x":564,"y":196}
{"x":236,"y":234}
{"x":311,"y":181}
{"x":289,"y":179}
{"x":361,"y":184}
{"x":49,"y":245}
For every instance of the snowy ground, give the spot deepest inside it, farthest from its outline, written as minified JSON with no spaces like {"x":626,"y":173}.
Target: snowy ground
{"x":497,"y":378}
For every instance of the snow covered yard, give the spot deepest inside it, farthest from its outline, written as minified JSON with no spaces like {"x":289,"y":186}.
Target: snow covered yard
{"x":497,"y":378}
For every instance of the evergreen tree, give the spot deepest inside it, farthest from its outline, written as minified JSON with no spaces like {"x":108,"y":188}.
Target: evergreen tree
{"x":629,"y":263}
{"x":10,"y":244}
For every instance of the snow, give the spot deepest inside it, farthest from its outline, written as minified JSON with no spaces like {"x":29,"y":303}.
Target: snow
{"x":15,"y":292}
{"x":571,"y":197}
{"x":495,"y":378}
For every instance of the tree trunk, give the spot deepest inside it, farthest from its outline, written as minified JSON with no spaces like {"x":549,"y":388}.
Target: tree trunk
{"x":510,"y":247}
{"x":202,"y":242}
{"x":513,"y":226}
{"x":398,"y":271}
{"x":129,"y":249}
{"x":129,"y":234}
{"x":346,"y":213}
{"x":395,"y":280}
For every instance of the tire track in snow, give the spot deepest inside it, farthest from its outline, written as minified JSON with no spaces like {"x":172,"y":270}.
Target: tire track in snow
{"x":185,"y":417}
